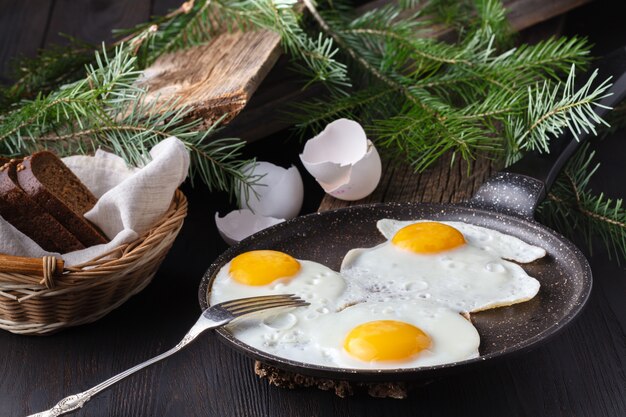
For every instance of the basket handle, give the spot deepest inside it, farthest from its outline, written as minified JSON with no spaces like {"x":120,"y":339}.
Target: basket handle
{"x":47,"y":267}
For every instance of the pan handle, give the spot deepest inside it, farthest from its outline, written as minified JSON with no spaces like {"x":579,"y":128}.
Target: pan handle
{"x":519,"y":188}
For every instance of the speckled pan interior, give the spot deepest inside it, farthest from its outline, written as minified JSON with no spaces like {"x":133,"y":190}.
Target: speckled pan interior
{"x":564,"y":275}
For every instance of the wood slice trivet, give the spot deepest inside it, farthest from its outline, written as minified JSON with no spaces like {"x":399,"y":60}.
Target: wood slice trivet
{"x":443,"y":183}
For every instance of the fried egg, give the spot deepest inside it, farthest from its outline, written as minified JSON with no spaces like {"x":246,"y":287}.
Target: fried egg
{"x":391,"y":335}
{"x":396,"y":305}
{"x":454,"y":264}
{"x":492,"y":241}
{"x":266,"y":272}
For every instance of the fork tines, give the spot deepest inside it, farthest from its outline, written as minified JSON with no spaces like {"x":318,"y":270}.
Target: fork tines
{"x":243,"y":306}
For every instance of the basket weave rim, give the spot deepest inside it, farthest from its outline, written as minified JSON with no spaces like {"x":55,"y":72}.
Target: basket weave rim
{"x":86,"y":292}
{"x":112,"y":262}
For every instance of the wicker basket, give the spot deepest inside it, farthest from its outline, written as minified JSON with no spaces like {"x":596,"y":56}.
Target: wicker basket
{"x":44,"y":300}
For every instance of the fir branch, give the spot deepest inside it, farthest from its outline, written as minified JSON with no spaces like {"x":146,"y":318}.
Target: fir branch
{"x":345,"y":47}
{"x":107,"y":110}
{"x":362,"y":105}
{"x":471,"y":96}
{"x":552,"y":57}
{"x":552,"y":108}
{"x":317,"y":54}
{"x":576,"y":212}
{"x":193,"y":23}
{"x":422,"y":139}
{"x":196,"y":22}
{"x":188,"y":25}
{"x":451,"y":13}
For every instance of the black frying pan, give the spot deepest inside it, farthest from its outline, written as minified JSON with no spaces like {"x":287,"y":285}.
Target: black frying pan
{"x":506,"y":203}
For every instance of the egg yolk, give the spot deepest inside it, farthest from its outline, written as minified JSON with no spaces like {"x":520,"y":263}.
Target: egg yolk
{"x":428,"y":237}
{"x":385,"y":340}
{"x":261,"y":267}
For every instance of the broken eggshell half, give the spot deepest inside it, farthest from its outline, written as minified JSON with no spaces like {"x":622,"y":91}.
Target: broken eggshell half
{"x":343,"y":161}
{"x":239,"y":224}
{"x":278,"y":192}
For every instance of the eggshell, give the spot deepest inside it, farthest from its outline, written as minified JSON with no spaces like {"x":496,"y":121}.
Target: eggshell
{"x":343,"y":161}
{"x":330,"y":155}
{"x":279,"y":193}
{"x":363,"y":179}
{"x":239,"y":224}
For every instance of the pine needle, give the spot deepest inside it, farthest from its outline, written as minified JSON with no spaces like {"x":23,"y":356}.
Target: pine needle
{"x":572,"y":209}
{"x":107,"y":110}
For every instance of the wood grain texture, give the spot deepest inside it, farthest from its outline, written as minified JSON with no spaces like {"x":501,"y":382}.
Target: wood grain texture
{"x":162,"y":7}
{"x":22,"y":30}
{"x":268,"y":110}
{"x":581,"y":372}
{"x":217,"y":79}
{"x":21,"y":265}
{"x":443,"y":183}
{"x":93,"y":20}
{"x":526,"y":13}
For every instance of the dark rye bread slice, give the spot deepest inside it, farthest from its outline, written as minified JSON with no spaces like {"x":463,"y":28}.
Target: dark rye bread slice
{"x":46,"y":179}
{"x":25,"y":215}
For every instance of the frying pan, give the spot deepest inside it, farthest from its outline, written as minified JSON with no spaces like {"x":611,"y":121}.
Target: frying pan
{"x":506,"y":203}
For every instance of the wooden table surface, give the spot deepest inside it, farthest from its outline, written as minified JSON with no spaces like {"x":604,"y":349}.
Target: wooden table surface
{"x":581,"y":372}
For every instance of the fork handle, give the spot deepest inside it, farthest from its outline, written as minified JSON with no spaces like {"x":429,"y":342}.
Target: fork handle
{"x":76,"y":401}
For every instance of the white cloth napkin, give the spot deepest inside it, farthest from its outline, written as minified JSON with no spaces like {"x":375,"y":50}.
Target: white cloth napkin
{"x":130,"y":200}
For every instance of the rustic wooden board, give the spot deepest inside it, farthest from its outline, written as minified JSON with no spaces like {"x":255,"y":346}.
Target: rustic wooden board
{"x":521,"y":14}
{"x":215,"y":79}
{"x":442,"y":183}
{"x":526,"y":13}
{"x":162,"y":7}
{"x":93,"y":21}
{"x":31,"y":18}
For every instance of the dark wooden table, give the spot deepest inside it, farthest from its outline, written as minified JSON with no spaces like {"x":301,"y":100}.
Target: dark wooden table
{"x":581,"y":372}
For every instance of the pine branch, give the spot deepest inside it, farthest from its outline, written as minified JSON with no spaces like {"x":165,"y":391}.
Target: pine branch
{"x":572,"y":209}
{"x":193,"y":23}
{"x":54,"y":66}
{"x":467,"y":98}
{"x":553,"y":108}
{"x":315,"y":114}
{"x":316,"y":54}
{"x":107,"y":110}
{"x":422,"y":139}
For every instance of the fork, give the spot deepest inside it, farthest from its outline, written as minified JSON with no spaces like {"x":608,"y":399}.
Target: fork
{"x":215,"y":316}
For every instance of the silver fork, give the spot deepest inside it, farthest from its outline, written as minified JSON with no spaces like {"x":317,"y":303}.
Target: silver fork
{"x":214,"y":316}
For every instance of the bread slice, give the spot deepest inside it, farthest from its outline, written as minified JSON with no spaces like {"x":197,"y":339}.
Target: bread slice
{"x":25,"y":215}
{"x":46,"y":179}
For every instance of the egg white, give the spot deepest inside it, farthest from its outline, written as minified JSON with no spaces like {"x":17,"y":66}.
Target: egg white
{"x":453,"y":337}
{"x":286,"y":331}
{"x":314,"y":282}
{"x":388,"y":283}
{"x":491,"y":241}
{"x":469,"y":278}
